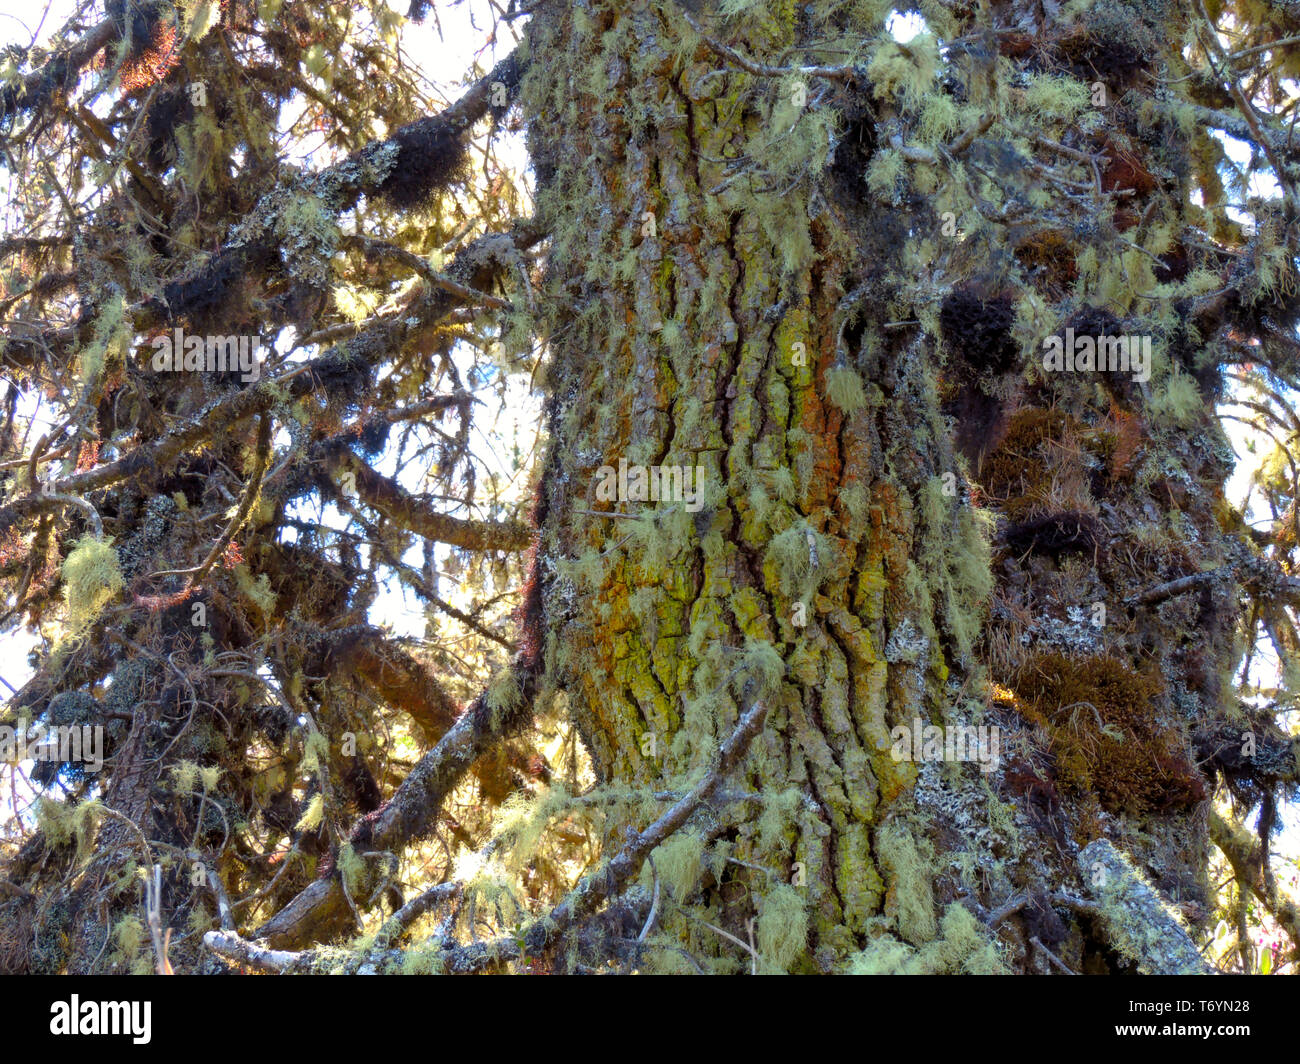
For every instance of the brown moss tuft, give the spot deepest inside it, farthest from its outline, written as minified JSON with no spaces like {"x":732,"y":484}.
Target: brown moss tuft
{"x":1126,"y":441}
{"x":1125,"y":169}
{"x":1016,"y":476}
{"x":1050,"y":254}
{"x":1106,"y":733}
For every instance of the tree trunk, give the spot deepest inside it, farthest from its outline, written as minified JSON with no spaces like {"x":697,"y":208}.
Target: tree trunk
{"x":734,"y":298}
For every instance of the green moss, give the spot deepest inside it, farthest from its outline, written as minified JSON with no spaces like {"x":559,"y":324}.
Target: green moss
{"x":939,"y":118}
{"x":503,"y":694}
{"x":522,"y":821}
{"x":763,"y":664}
{"x":185,"y":777}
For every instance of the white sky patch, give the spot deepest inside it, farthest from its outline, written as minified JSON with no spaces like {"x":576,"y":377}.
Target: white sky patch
{"x":904,"y":27}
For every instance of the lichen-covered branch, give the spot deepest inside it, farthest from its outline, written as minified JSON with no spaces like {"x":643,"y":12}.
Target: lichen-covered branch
{"x":1243,"y":854}
{"x":1137,"y":921}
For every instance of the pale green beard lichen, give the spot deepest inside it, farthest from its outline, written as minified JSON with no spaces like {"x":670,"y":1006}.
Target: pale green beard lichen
{"x":961,"y":948}
{"x":844,"y":389}
{"x":782,"y":932}
{"x":91,"y":578}
{"x":909,"y":872}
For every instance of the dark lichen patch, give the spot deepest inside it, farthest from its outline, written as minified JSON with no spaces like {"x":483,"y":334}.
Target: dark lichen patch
{"x":980,"y":331}
{"x":207,"y":296}
{"x":430,"y":155}
{"x":1056,"y":534}
{"x":1112,"y":43}
{"x":854,"y":148}
{"x":1106,"y":733}
{"x":1252,"y":756}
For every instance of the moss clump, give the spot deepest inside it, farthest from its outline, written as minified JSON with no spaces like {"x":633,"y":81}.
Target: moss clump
{"x":1106,"y":734}
{"x":313,"y":815}
{"x":1050,"y":252}
{"x":885,"y":956}
{"x":91,"y":577}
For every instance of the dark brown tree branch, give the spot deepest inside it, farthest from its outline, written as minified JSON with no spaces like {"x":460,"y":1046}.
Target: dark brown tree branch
{"x":59,"y":73}
{"x":415,"y":515}
{"x":321,"y":910}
